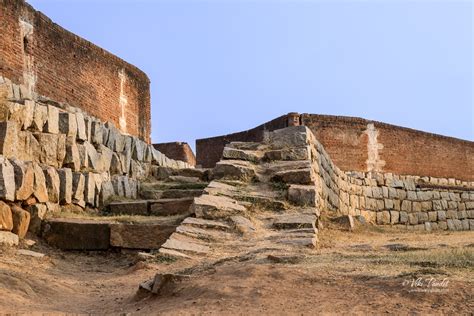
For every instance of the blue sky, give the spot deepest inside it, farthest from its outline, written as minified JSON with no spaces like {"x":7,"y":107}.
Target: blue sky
{"x":218,"y":67}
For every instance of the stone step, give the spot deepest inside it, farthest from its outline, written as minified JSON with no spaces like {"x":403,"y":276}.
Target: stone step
{"x":203,"y":234}
{"x":103,"y":233}
{"x":244,"y":145}
{"x":77,"y":234}
{"x":296,"y":176}
{"x":305,"y":242}
{"x":165,"y":207}
{"x":164,"y":173}
{"x":234,"y":170}
{"x":295,"y":221}
{"x":180,"y":244}
{"x":160,"y":207}
{"x":174,"y":253}
{"x":215,"y":207}
{"x":240,"y":154}
{"x":153,"y":194}
{"x":205,"y":223}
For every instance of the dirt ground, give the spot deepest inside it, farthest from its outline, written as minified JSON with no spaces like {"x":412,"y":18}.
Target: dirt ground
{"x":373,"y":271}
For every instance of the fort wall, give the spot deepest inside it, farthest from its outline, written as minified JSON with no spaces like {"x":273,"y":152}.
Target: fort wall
{"x":50,"y":61}
{"x":356,"y":144}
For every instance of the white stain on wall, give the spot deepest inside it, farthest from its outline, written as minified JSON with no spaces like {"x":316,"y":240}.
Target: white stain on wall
{"x":122,"y":101}
{"x":374,"y":163}
{"x":29,"y":74}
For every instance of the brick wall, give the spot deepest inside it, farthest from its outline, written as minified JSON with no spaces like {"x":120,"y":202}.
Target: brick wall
{"x":177,"y":151}
{"x":356,"y":144}
{"x":58,"y":64}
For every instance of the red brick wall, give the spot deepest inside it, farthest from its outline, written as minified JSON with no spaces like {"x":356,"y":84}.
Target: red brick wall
{"x":177,"y":151}
{"x":71,"y":69}
{"x":405,"y":151}
{"x":401,"y":150}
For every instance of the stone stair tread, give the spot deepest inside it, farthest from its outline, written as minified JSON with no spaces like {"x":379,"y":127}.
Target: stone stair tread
{"x":200,"y":233}
{"x":205,"y":223}
{"x":181,"y":245}
{"x":170,"y":206}
{"x":294,"y":221}
{"x":212,"y":206}
{"x":138,"y":207}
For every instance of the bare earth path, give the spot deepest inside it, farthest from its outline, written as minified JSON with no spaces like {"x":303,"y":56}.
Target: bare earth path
{"x":364,"y":272}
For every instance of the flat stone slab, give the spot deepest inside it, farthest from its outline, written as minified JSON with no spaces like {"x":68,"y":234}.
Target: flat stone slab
{"x":140,"y":236}
{"x":205,"y":223}
{"x":306,"y":242}
{"x":77,"y":234}
{"x":173,"y":253}
{"x":129,"y":208}
{"x":295,"y":221}
{"x":182,"y":245}
{"x":201,"y":233}
{"x":234,"y":169}
{"x":296,"y":176}
{"x":211,"y":207}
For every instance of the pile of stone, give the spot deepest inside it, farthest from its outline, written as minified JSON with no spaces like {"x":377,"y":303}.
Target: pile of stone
{"x":54,"y":155}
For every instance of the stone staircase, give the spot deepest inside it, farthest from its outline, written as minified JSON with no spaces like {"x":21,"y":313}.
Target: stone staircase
{"x":162,"y":203}
{"x":262,"y":198}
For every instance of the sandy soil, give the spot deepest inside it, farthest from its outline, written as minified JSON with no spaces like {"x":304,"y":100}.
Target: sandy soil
{"x":353,"y":273}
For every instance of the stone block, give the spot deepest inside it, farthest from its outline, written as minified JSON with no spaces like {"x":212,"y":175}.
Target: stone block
{"x":403,"y":217}
{"x":304,"y":195}
{"x":52,"y":183}
{"x":65,"y":182}
{"x":89,"y":188}
{"x":21,"y":221}
{"x":52,"y":122}
{"x":383,"y":217}
{"x":92,"y":156}
{"x":422,"y":217}
{"x":76,"y":234}
{"x":6,"y":220}
{"x":24,"y":179}
{"x":40,"y":191}
{"x":7,"y":180}
{"x":442,"y":225}
{"x":37,"y":215}
{"x":106,"y":192}
{"x":116,"y":165}
{"x":78,"y":183}
{"x":9,"y":139}
{"x":72,"y":158}
{"x":81,"y":127}
{"x":213,"y":207}
{"x":166,"y":207}
{"x":136,"y":236}
{"x":394,"y":217}
{"x":40,"y":117}
{"x":432,"y":216}
{"x":413,"y":218}
{"x":129,"y":208}
{"x":68,"y":125}
{"x":105,"y":158}
{"x":97,"y":132}
{"x":28,"y":147}
{"x":138,"y":149}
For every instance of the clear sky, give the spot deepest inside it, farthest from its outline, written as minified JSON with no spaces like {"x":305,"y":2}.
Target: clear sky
{"x":218,"y":67}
